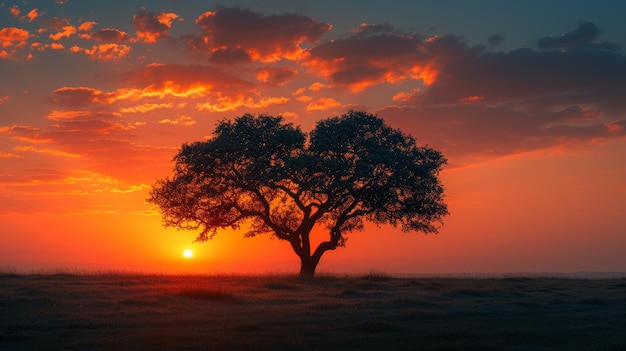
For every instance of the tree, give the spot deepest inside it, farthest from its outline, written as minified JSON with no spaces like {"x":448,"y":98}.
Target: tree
{"x":266,"y":176}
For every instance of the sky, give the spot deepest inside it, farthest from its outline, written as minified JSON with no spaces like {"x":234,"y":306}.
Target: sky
{"x":526,"y":100}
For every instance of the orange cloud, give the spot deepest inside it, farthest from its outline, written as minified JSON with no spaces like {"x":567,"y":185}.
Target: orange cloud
{"x":304,"y":98}
{"x":160,"y":80}
{"x":146,"y":108}
{"x":32,"y":15}
{"x":218,"y":90}
{"x":18,"y":128}
{"x":57,"y":115}
{"x":151,"y":26}
{"x":12,"y":36}
{"x":7,"y":155}
{"x":299,"y":91}
{"x":472,"y":98}
{"x":373,"y":55}
{"x":180,"y":121}
{"x":323,"y":104}
{"x":317,"y":86}
{"x":406,"y":97}
{"x":289,"y":115}
{"x":232,"y":35}
{"x":41,"y":47}
{"x":15,"y":11}
{"x":65,"y":32}
{"x":231,"y":103}
{"x":104,"y":52}
{"x":86,"y":26}
{"x":45,"y":151}
{"x":102,"y":138}
{"x":276,"y":76}
{"x":4,"y":99}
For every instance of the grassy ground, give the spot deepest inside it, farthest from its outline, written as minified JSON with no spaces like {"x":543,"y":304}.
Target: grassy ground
{"x":375,"y":312}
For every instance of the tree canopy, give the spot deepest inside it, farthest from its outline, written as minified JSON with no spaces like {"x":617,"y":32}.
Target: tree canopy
{"x":265,"y":176}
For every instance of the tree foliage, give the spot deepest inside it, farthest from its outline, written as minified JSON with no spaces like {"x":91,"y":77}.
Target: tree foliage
{"x":265,"y":176}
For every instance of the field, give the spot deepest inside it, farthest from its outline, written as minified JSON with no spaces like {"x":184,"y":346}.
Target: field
{"x":373,"y":312}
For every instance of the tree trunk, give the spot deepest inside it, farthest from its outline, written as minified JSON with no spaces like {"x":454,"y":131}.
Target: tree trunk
{"x":307,"y":267}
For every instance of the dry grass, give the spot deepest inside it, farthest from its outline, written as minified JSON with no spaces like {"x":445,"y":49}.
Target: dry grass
{"x":374,"y":312}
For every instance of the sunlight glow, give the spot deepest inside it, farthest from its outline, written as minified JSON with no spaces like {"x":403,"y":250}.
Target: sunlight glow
{"x":188,"y":253}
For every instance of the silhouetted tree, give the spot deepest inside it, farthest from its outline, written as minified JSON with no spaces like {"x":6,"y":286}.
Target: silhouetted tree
{"x":266,"y":176}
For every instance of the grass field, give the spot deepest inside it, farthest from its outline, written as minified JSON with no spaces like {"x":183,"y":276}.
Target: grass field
{"x":374,"y":312}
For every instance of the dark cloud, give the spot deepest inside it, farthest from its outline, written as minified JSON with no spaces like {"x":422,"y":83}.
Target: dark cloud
{"x":497,"y":103}
{"x":582,"y":37}
{"x":271,"y":38}
{"x":525,"y":74}
{"x":57,"y":23}
{"x":151,"y":26}
{"x":110,"y":35}
{"x":276,"y":76}
{"x":230,"y":56}
{"x":75,"y":97}
{"x":371,"y":55}
{"x":462,"y":131}
{"x":495,"y":40}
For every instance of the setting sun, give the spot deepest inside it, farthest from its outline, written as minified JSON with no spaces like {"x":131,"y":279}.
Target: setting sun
{"x":188,"y":253}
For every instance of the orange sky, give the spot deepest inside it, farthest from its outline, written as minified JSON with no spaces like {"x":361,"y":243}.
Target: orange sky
{"x":96,"y":100}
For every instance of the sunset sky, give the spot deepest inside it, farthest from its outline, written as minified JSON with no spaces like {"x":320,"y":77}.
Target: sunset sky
{"x":526,"y":100}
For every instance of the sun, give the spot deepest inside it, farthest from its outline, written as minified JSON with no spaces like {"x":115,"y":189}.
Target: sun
{"x":188,"y":253}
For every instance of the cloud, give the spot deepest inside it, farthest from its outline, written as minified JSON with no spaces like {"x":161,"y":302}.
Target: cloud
{"x":527,"y":74}
{"x":147,"y":107}
{"x":276,"y":76}
{"x":44,"y":151}
{"x":582,"y":37}
{"x":15,"y":11}
{"x":99,"y":136}
{"x":468,"y":130}
{"x":372,"y":55}
{"x":63,"y":29}
{"x":218,"y":91}
{"x":484,"y":103}
{"x":243,"y":35}
{"x":495,"y":40}
{"x":104,"y":52}
{"x":79,"y":96}
{"x":42,"y":47}
{"x":184,"y":81}
{"x":86,"y":26}
{"x":11,"y":37}
{"x":58,"y":115}
{"x":7,"y":155}
{"x":180,"y":121}
{"x":323,"y":104}
{"x":151,"y":26}
{"x":109,"y":35}
{"x":231,"y":103}
{"x":30,"y":16}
